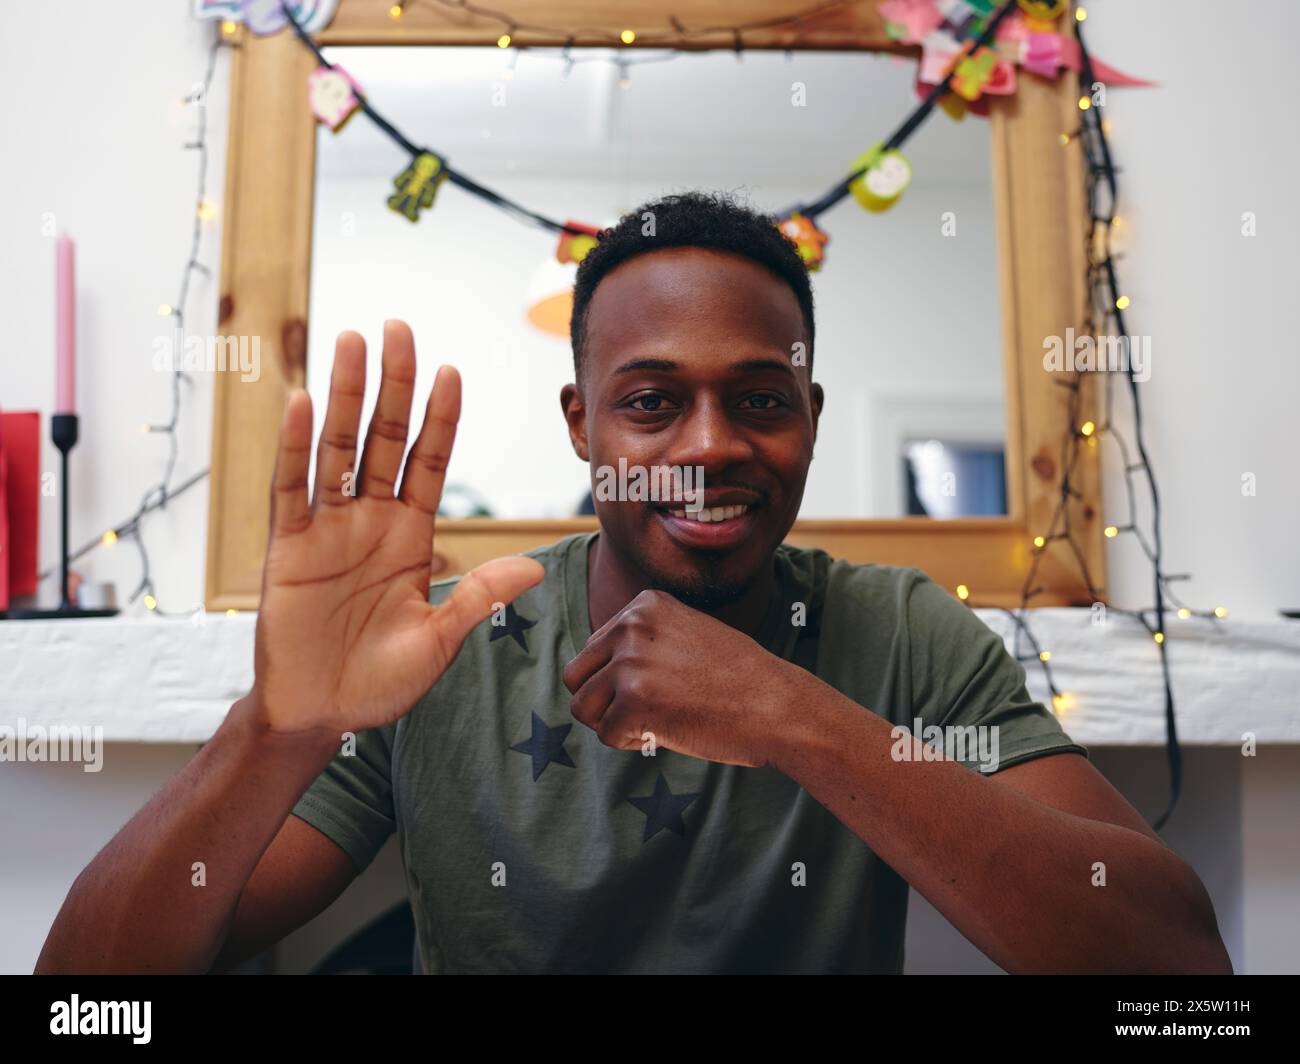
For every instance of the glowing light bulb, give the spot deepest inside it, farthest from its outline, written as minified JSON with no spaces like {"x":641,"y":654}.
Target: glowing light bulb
{"x":1045,"y":655}
{"x":503,"y":41}
{"x":1084,"y":103}
{"x":963,"y":592}
{"x":108,"y":538}
{"x":395,"y":11}
{"x":150,"y":602}
{"x":206,"y":210}
{"x":627,"y":36}
{"x":1040,"y":542}
{"x":1111,"y":532}
{"x":1159,"y":637}
{"x":1062,"y":702}
{"x":231,"y":613}
{"x":1220,"y":612}
{"x":1065,"y":139}
{"x":1184,"y":613}
{"x":164,"y":310}
{"x":1087,"y":428}
{"x":229,"y":28}
{"x":1080,"y":13}
{"x":1122,"y":303}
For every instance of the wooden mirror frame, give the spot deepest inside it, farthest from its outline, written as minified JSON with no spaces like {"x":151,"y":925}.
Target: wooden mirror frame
{"x":266,"y":261}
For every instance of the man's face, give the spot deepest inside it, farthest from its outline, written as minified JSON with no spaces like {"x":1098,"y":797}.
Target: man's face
{"x":689,"y":361}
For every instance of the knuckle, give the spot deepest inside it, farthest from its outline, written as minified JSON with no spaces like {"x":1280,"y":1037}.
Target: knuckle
{"x":384,"y":428}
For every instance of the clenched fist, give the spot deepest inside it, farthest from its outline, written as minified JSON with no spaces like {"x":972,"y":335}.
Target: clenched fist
{"x":697,"y":685}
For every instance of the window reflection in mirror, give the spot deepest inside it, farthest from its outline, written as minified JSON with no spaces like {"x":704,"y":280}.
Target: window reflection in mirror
{"x":909,"y":344}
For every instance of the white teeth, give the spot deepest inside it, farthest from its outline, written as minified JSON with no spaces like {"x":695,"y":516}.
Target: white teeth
{"x":711,"y":513}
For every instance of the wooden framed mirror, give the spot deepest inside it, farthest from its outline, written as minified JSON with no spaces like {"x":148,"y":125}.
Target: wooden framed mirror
{"x":1036,"y":284}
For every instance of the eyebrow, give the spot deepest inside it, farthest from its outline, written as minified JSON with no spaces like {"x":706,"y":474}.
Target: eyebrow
{"x":749,"y":365}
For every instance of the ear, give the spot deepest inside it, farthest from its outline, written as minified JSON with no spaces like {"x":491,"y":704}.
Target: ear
{"x":818,"y":398}
{"x":575,"y":415}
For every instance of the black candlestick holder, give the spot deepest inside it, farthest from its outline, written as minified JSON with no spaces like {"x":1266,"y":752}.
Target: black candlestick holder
{"x":63,"y":431}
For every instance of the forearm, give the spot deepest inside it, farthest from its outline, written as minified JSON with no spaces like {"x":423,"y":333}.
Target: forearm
{"x":1014,"y":875}
{"x":139,"y":906}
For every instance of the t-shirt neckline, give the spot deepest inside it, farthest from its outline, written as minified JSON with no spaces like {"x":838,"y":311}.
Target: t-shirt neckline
{"x":576,"y":573}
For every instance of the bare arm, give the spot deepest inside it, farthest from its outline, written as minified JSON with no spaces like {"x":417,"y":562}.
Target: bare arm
{"x":346,"y":640}
{"x":297,"y":878}
{"x":136,"y":907}
{"x":1009,"y":858}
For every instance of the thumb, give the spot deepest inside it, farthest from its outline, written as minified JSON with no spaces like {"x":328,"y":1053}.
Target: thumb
{"x":477,"y":594}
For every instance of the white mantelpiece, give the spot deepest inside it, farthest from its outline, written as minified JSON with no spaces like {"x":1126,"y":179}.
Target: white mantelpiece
{"x":155,"y":679}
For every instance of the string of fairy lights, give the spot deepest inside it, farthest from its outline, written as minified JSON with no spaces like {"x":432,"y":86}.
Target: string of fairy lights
{"x":1104,"y":315}
{"x":160,"y":493}
{"x":679,"y":33}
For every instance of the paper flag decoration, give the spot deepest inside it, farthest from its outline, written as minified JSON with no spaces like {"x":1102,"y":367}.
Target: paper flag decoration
{"x":808,"y":239}
{"x":265,"y":17}
{"x":417,"y":185}
{"x":887,"y":174}
{"x":1044,"y":10}
{"x":1032,"y":37}
{"x":910,"y":20}
{"x":226,"y":10}
{"x":331,"y":92}
{"x":573,"y":247}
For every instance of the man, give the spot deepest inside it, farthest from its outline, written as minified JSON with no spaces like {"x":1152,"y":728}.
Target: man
{"x":675,"y":744}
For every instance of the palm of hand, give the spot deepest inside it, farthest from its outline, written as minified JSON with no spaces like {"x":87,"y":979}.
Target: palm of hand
{"x":346,"y":638}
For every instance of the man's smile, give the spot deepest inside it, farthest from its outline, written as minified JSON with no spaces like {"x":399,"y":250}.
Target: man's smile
{"x":717,"y":527}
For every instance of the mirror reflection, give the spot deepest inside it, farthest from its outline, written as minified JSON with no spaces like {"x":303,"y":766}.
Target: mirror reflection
{"x":909,"y":338}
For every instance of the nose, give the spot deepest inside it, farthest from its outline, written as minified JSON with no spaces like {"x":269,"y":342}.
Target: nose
{"x":707,"y":437}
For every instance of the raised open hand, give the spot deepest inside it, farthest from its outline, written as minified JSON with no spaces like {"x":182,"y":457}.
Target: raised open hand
{"x":346,"y":638}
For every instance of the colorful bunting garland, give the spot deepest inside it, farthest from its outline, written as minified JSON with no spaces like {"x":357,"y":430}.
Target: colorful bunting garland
{"x":969,"y":51}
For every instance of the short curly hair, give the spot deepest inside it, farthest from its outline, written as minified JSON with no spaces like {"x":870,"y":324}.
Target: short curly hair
{"x":690,"y":219}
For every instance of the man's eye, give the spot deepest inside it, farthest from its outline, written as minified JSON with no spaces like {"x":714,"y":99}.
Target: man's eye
{"x":762,"y":401}
{"x":651,"y":403}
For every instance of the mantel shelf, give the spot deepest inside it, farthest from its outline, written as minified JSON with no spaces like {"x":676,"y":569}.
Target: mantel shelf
{"x":159,"y":680}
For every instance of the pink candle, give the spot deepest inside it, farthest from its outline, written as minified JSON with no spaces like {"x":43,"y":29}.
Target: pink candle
{"x":65,"y":327}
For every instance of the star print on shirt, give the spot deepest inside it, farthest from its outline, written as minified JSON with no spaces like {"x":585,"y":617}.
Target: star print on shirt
{"x":515,"y":626}
{"x":546,"y":745}
{"x":663,"y":809}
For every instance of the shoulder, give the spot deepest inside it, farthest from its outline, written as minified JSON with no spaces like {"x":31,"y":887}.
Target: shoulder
{"x":843,"y":585}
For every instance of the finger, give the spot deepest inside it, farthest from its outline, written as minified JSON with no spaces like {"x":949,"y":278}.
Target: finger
{"x":598,"y":649}
{"x":591,"y":658}
{"x":477,"y":594}
{"x":426,"y":465}
{"x":289,"y":510}
{"x":593,"y":698}
{"x":336,"y":453}
{"x":386,"y":436}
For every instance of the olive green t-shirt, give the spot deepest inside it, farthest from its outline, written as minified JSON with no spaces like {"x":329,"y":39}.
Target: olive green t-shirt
{"x":529,"y":846}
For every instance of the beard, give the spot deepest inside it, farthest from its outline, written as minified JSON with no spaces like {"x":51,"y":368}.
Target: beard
{"x":705,"y":591}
